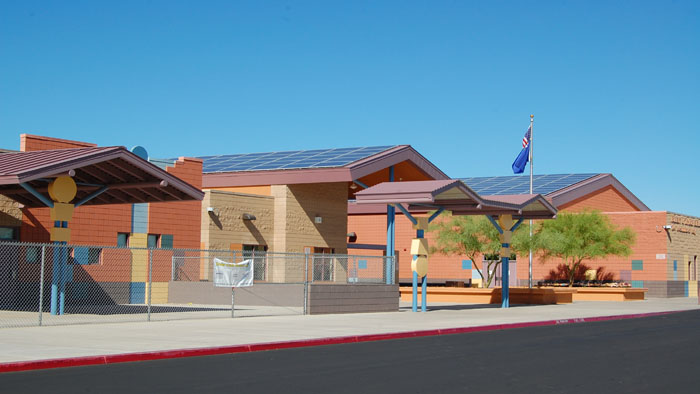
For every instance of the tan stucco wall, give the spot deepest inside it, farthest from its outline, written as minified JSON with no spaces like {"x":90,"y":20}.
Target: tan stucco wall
{"x":10,"y":214}
{"x":296,"y":206}
{"x":684,"y":247}
{"x":285,"y":222}
{"x":221,"y":231}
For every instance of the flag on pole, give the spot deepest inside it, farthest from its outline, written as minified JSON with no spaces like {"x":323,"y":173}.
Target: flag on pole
{"x":523,"y":157}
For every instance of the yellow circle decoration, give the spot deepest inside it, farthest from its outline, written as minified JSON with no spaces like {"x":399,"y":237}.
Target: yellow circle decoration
{"x":63,"y":189}
{"x":419,"y":264}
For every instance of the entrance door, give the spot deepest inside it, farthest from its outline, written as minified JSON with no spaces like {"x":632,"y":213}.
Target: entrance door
{"x":323,"y":265}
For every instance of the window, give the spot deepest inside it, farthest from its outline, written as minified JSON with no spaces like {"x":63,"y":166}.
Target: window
{"x":166,"y":241}
{"x":86,"y":255}
{"x":33,"y":254}
{"x":123,"y":240}
{"x":257,"y":253}
{"x":152,"y":240}
{"x":8,"y":233}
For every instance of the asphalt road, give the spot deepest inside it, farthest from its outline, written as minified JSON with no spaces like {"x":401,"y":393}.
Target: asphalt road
{"x":655,"y":354}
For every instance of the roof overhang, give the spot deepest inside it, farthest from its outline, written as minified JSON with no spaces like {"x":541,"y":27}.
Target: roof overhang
{"x":591,"y":185}
{"x":348,"y":173}
{"x":455,"y":196}
{"x":113,"y":175}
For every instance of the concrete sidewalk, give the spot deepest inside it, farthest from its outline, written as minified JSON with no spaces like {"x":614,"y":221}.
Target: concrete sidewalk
{"x":57,"y":342}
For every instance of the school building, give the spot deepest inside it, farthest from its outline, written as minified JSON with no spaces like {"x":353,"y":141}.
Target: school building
{"x":303,"y":201}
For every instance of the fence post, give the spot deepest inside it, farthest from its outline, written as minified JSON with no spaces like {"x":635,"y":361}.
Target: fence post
{"x":233,"y":294}
{"x":306,"y":282}
{"x":41,"y":283}
{"x":150,"y":282}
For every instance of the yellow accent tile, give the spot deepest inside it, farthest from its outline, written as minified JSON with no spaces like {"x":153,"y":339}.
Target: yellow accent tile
{"x":60,"y":234}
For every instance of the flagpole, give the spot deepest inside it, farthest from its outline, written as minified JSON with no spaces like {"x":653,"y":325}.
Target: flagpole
{"x":532,"y":118}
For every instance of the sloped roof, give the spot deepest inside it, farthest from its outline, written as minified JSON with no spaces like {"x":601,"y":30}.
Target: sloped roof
{"x":559,"y":188}
{"x":317,"y":166}
{"x":457,"y":197}
{"x":125,"y":177}
{"x":520,"y":184}
{"x":288,"y":160}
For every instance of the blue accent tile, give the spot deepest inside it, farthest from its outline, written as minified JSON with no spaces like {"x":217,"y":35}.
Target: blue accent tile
{"x":675,"y":269}
{"x":637,"y":265}
{"x":139,"y":218}
{"x":686,"y":288}
{"x":137,"y":293}
{"x":466,"y":264}
{"x":362,"y":264}
{"x":81,"y":256}
{"x":638,"y":284}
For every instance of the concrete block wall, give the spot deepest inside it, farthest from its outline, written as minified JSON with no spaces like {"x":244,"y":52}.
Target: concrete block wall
{"x":296,"y":206}
{"x":10,"y":213}
{"x":331,"y":298}
{"x":684,"y":250}
{"x":220,"y":231}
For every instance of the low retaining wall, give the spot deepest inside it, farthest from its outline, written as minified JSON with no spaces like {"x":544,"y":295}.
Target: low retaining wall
{"x":518,"y":295}
{"x":524,"y":295}
{"x":323,"y":298}
{"x":260,"y":294}
{"x":609,"y":294}
{"x":356,"y":298}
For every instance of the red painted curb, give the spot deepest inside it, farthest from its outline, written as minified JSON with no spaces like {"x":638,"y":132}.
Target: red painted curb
{"x":180,"y":353}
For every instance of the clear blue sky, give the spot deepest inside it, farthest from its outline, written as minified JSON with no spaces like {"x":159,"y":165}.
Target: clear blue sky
{"x":614,"y":86}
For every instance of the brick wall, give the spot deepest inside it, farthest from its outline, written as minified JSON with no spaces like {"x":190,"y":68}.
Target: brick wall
{"x":28,"y":142}
{"x":607,"y":199}
{"x":651,"y":241}
{"x":182,"y":219}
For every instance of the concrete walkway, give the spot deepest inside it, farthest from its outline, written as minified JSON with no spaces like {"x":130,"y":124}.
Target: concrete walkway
{"x":57,"y":342}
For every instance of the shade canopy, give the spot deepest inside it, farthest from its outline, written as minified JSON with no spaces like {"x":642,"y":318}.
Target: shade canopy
{"x":104,"y":175}
{"x":456,"y":196}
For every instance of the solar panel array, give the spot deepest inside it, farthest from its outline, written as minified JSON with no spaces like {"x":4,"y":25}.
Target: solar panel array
{"x":318,"y":158}
{"x":541,"y":184}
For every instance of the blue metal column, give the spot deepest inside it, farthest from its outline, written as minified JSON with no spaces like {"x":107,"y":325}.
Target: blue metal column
{"x":505,"y":280}
{"x":390,"y":233}
{"x":424,"y":280}
{"x":55,"y":278}
{"x":414,"y":305}
{"x":63,"y":274}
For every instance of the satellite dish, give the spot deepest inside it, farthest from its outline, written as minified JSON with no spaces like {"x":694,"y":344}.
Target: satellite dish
{"x":140,"y":151}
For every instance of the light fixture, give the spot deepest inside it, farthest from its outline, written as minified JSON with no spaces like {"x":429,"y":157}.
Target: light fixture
{"x":667,"y":227}
{"x":212,"y":211}
{"x":318,"y":219}
{"x":353,"y":186}
{"x":248,"y":216}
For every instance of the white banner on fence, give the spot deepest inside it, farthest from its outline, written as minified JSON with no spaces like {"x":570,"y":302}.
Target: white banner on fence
{"x":233,"y":274}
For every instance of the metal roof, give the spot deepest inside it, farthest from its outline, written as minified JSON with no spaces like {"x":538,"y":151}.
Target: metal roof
{"x":520,"y":184}
{"x":125,"y":177}
{"x":316,"y":158}
{"x":353,"y":164}
{"x":457,"y":197}
{"x":560,"y":188}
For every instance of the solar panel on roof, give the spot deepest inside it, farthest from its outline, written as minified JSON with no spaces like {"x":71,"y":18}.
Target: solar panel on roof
{"x":316,"y":158}
{"x":542,"y":184}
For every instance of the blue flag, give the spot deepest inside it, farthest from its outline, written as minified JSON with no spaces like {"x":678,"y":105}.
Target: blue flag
{"x":524,"y":156}
{"x":521,"y":161}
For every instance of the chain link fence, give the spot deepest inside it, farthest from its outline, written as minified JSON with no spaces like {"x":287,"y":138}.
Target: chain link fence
{"x":58,"y":284}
